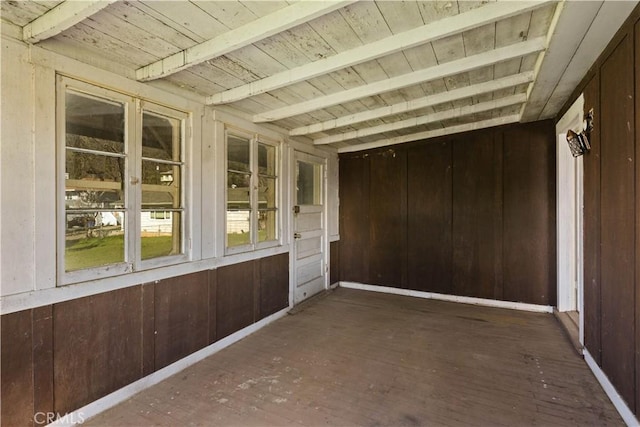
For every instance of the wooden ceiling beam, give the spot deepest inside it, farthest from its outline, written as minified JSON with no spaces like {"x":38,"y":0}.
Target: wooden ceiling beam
{"x":416,"y":104}
{"x":262,"y":28}
{"x":60,"y":18}
{"x":457,"y":66}
{"x":423,"y":120}
{"x":387,"y":46}
{"x":483,"y":124}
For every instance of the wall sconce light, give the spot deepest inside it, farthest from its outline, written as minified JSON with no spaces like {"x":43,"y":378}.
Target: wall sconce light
{"x":579,"y":142}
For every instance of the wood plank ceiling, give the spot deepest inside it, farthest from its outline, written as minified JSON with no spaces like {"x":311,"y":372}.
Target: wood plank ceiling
{"x":350,"y":74}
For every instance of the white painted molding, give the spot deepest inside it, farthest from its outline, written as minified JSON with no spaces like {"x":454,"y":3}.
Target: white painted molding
{"x":387,"y":46}
{"x":262,"y":28}
{"x":416,"y":104}
{"x":433,"y":133}
{"x":62,"y":17}
{"x":78,"y":416}
{"x":457,"y":66}
{"x":451,"y":298}
{"x":611,"y":391}
{"x":423,"y":120}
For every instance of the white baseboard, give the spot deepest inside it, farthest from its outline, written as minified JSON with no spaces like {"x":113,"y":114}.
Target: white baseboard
{"x":452,"y":298}
{"x":615,"y":398}
{"x":78,"y":416}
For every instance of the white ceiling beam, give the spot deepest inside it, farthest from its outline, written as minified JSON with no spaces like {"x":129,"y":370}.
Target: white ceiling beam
{"x":423,"y":120}
{"x":60,"y":18}
{"x":416,"y":104}
{"x":433,"y":133}
{"x":387,"y":46}
{"x":262,"y":28}
{"x":432,"y":73}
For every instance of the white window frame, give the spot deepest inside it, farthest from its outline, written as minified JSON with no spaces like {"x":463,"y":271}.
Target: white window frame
{"x":133,"y":168}
{"x":254,"y":140}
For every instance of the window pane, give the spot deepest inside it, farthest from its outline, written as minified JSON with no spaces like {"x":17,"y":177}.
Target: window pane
{"x":161,"y":137}
{"x":93,"y":181}
{"x":238,"y":191}
{"x":267,"y":226}
{"x":308,"y":183}
{"x":267,"y":193}
{"x":238,"y":227}
{"x":238,"y":154}
{"x":93,"y":239}
{"x":160,"y":185}
{"x":160,"y":233}
{"x":266,"y":159}
{"x":94,"y":124}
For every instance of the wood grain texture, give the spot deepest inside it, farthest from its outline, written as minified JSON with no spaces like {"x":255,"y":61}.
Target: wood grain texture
{"x":181,"y":317}
{"x":42,"y":361}
{"x":474,"y":223}
{"x":274,"y":284}
{"x":354,"y":218}
{"x":213,"y":305}
{"x":637,"y":205}
{"x":16,"y":364}
{"x":235,"y":298}
{"x":334,"y":262}
{"x":429,"y":204}
{"x":618,"y":220}
{"x":529,"y":213}
{"x":387,"y":218}
{"x":97,"y":347}
{"x":148,"y":329}
{"x":592,"y":283}
{"x":359,"y":358}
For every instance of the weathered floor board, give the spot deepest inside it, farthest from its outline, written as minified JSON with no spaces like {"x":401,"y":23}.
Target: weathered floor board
{"x":361,"y":358}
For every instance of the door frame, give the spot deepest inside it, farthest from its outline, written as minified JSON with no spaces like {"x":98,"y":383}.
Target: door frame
{"x":323,"y":160}
{"x":570,"y":217}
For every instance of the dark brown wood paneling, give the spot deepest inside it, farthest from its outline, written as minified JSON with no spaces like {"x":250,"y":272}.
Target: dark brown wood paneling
{"x":16,"y":365}
{"x":591,"y":214}
{"x":637,"y":206}
{"x":213,"y":297}
{"x":235,"y":301}
{"x":529,"y":213}
{"x":387,"y":218}
{"x":429,"y":182}
{"x":97,"y":346}
{"x":148,"y":329}
{"x":334,"y":262}
{"x":42,"y":362}
{"x":475,"y":226}
{"x":181,"y":317}
{"x":274,"y":284}
{"x":354,"y":218}
{"x":618,"y":220}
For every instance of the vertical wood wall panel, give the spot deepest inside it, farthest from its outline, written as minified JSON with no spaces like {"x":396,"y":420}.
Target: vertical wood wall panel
{"x":181,"y":317}
{"x":42,"y":361}
{"x":429,"y":217}
{"x":16,"y":367}
{"x":213,"y":297}
{"x":637,"y":207}
{"x":618,"y":218}
{"x":235,"y":300}
{"x":529,"y":214}
{"x":148,"y":329}
{"x":274,"y":284}
{"x":354,"y":219}
{"x":474,"y":222}
{"x":591,"y":213}
{"x":97,"y":347}
{"x":334,"y":262}
{"x":387,"y":218}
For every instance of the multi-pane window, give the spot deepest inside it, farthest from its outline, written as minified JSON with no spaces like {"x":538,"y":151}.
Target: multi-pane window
{"x":252,"y":192}
{"x":123,"y":166}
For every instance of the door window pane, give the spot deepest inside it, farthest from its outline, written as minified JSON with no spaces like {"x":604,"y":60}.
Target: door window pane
{"x":308,"y":183}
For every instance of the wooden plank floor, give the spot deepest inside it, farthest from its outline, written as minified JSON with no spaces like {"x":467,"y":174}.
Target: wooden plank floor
{"x":369,"y":359}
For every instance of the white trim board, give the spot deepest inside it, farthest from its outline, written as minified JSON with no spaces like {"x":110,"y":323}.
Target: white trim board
{"x":451,"y":298}
{"x":608,"y":388}
{"x":94,"y":408}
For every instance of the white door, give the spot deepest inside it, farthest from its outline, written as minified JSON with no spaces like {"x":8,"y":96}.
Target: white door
{"x":308,"y":227}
